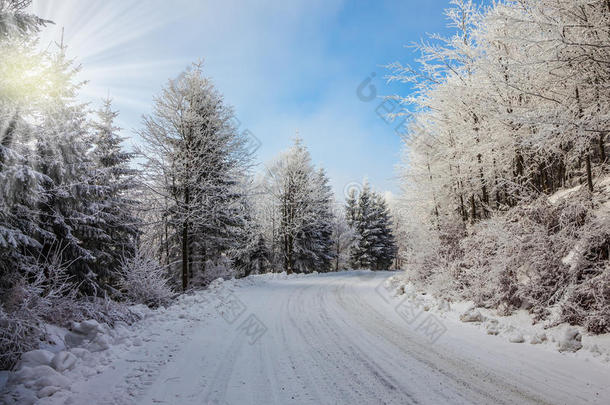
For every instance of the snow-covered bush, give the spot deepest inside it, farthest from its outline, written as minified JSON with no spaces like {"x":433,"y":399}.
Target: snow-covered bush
{"x":514,"y":259}
{"x":587,"y":302}
{"x":27,"y":301}
{"x":144,"y":281}
{"x":537,"y":256}
{"x":19,"y":333}
{"x":43,"y":295}
{"x":102,"y":309}
{"x":431,"y":257}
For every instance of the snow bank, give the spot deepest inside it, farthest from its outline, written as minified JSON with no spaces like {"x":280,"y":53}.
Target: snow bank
{"x":519,"y":327}
{"x":45,"y":375}
{"x":42,"y":373}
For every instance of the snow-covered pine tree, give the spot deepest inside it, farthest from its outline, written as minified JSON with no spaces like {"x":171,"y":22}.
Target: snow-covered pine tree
{"x":195,"y":161}
{"x":303,"y":201}
{"x":342,"y":239}
{"x":314,"y":240}
{"x":325,"y":218}
{"x":361,"y":253}
{"x":374,"y":247}
{"x":253,"y":256}
{"x":14,"y":21}
{"x":68,"y":213}
{"x":249,"y":254}
{"x":289,"y":180}
{"x":266,"y":214}
{"x":351,"y":207}
{"x":352,"y":216}
{"x":20,"y":190}
{"x":386,"y":251}
{"x":112,"y":205}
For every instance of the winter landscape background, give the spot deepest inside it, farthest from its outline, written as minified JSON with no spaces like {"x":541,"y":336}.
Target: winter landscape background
{"x":201,"y":256}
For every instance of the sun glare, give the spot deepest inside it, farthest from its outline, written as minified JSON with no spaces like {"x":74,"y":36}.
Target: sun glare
{"x":103,"y":37}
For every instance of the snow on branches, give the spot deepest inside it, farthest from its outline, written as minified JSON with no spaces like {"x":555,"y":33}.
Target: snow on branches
{"x":509,"y":110}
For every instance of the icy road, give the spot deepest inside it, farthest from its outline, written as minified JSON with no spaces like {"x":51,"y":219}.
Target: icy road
{"x":326,"y":339}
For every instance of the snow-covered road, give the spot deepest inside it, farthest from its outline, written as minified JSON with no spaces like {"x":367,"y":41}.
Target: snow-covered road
{"x":328,"y":339}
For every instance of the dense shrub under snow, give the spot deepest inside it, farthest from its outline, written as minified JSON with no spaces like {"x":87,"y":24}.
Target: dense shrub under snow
{"x":46,"y":295}
{"x":144,"y":281}
{"x":506,"y":158}
{"x":551,"y":259}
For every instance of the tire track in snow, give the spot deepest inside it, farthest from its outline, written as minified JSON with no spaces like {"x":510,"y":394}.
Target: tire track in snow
{"x":330,"y":340}
{"x":355,"y":351}
{"x":364,"y":377}
{"x":463,"y":372}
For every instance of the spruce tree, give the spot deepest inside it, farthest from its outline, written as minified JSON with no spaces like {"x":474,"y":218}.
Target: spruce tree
{"x":195,"y":162}
{"x":386,"y":251}
{"x":113,"y":207}
{"x":303,"y":199}
{"x":374,"y":247}
{"x":20,"y":194}
{"x":68,"y":212}
{"x":351,"y":207}
{"x":314,"y":240}
{"x":362,"y":253}
{"x":21,"y":191}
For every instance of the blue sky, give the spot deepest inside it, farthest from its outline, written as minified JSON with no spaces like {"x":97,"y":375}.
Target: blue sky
{"x":285,"y":66}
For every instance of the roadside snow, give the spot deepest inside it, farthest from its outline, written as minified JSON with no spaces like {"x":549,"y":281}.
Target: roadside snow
{"x":564,"y":193}
{"x":88,"y":348}
{"x":340,"y":338}
{"x":516,"y":328}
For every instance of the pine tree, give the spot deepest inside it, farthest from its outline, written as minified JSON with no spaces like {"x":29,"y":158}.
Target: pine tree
{"x":113,"y":207}
{"x":21,"y":192}
{"x":14,"y":21}
{"x":386,"y":251}
{"x":361,"y":256}
{"x":314,"y":240}
{"x":68,"y":213}
{"x":351,"y":208}
{"x":374,"y":247}
{"x":249,"y":254}
{"x":195,"y":163}
{"x":352,"y":216}
{"x":253,"y":257}
{"x":303,"y":201}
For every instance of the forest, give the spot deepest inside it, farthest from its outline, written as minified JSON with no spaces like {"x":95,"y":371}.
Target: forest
{"x":505,"y":166}
{"x":88,"y":228}
{"x":504,"y":177}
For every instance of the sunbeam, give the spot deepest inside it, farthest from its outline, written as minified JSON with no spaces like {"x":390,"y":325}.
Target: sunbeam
{"x":108,"y":38}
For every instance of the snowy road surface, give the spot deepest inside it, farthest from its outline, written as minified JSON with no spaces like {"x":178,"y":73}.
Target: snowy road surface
{"x":329,"y":339}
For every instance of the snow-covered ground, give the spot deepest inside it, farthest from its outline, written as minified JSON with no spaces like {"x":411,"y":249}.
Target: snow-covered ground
{"x":316,"y":339}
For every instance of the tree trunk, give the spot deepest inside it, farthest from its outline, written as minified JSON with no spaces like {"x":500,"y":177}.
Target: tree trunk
{"x":166,"y":242}
{"x":485,"y":196}
{"x":185,"y":244}
{"x":474,"y":209}
{"x":338,"y":251}
{"x":463,"y":209}
{"x":433,"y":194}
{"x":7,"y":138}
{"x":185,"y":255}
{"x":602,"y":150}
{"x":589,"y":176}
